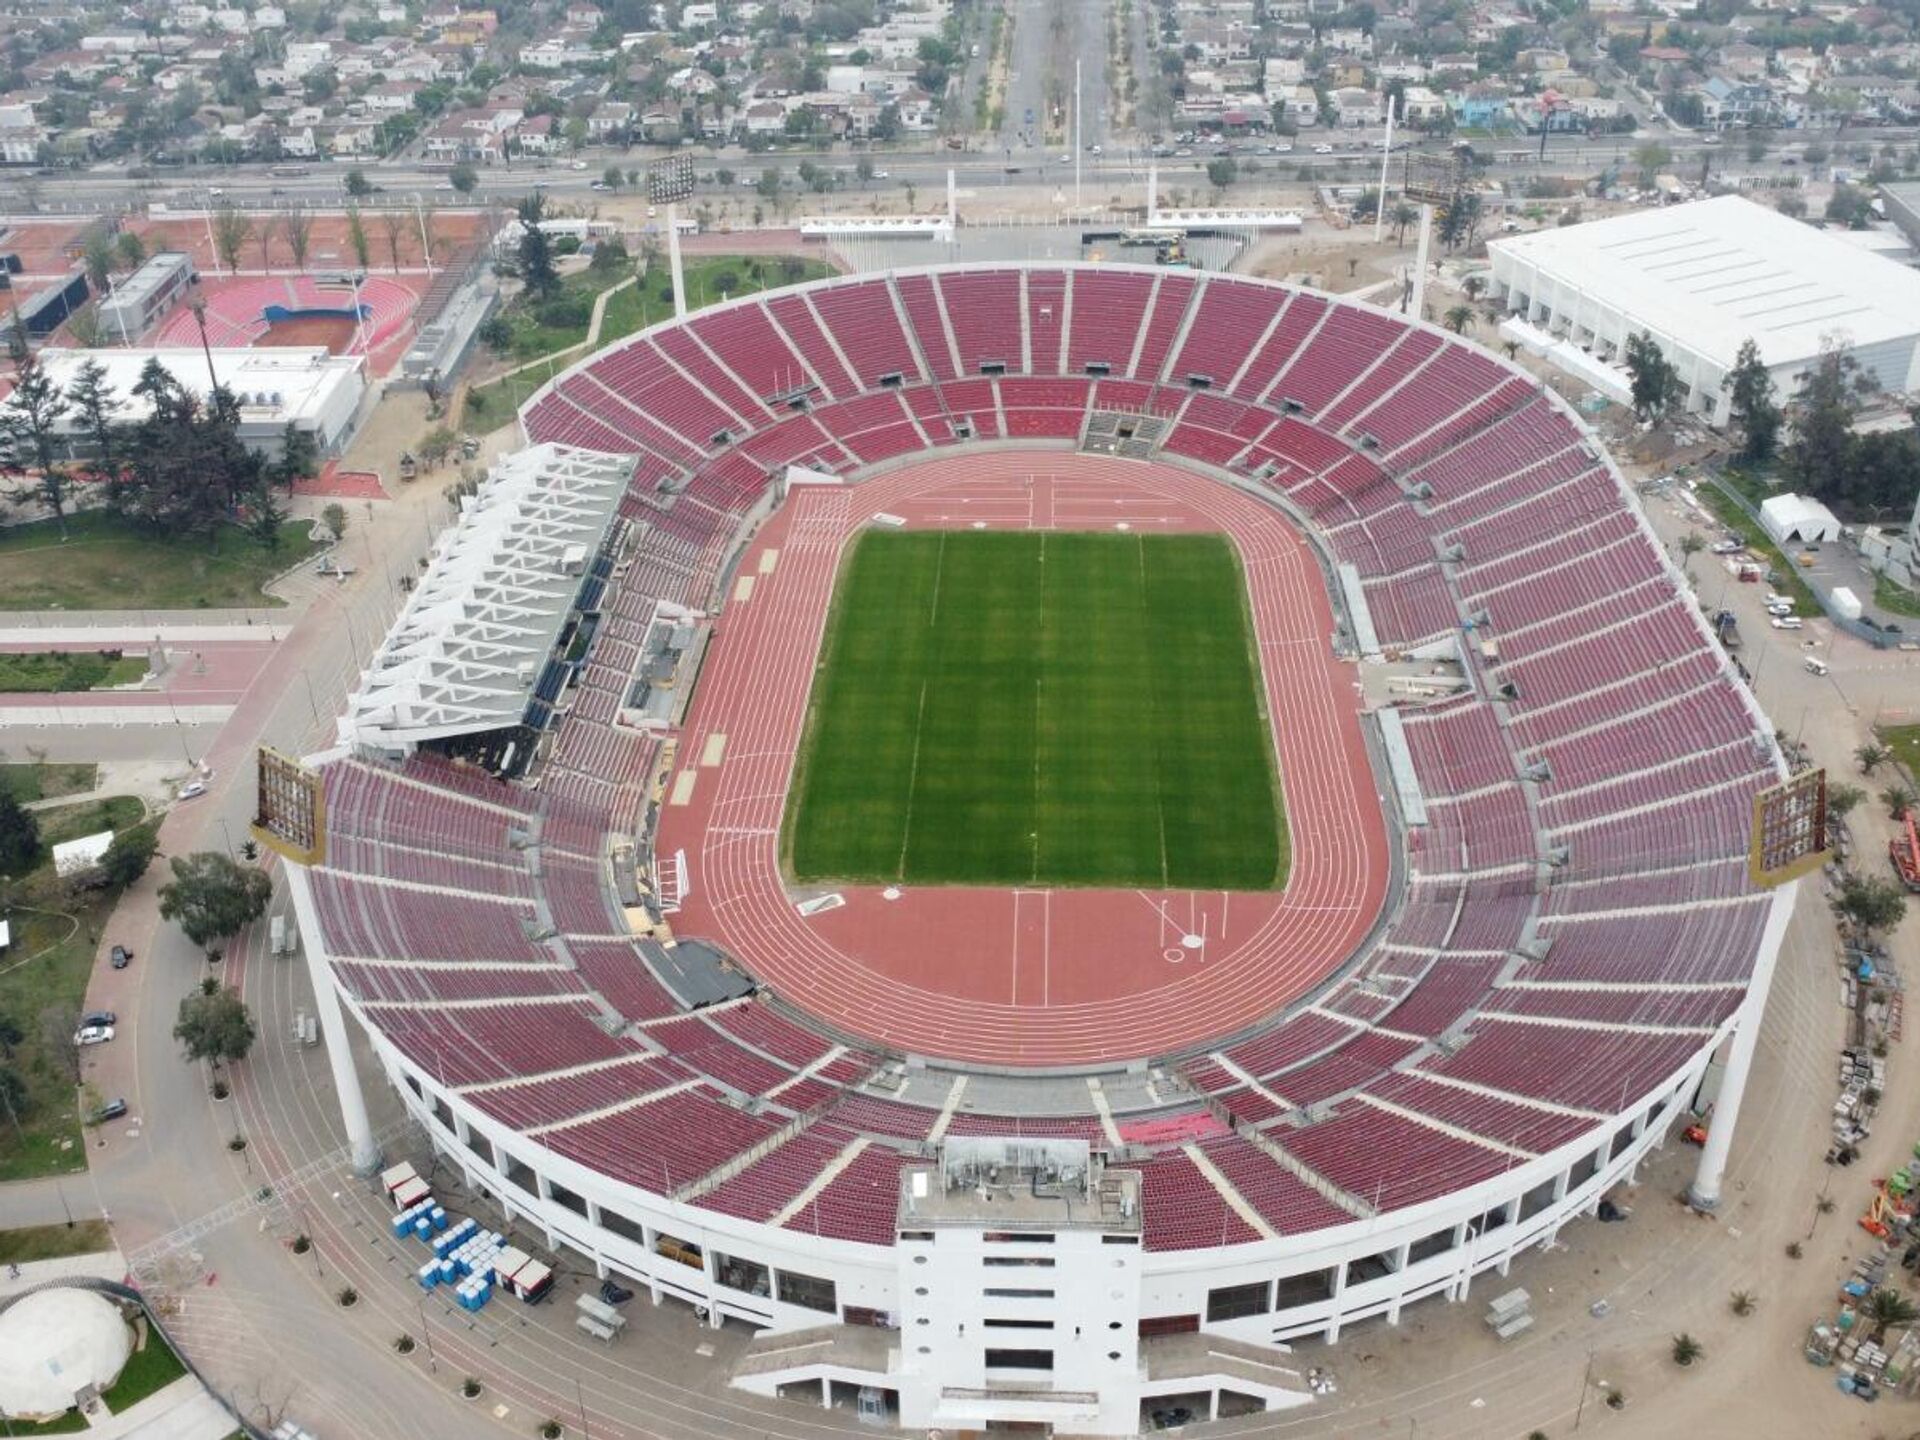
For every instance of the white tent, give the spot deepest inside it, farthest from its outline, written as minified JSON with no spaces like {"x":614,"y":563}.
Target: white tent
{"x":76,"y":857}
{"x":53,"y":1345}
{"x":1798,"y":517}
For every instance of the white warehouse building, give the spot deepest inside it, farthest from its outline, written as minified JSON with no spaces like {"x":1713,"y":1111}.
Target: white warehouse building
{"x":1703,"y":278}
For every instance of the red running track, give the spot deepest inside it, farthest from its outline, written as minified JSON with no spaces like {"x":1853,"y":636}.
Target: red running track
{"x":1023,"y":977}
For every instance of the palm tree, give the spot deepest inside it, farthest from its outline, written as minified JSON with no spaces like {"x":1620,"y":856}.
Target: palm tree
{"x":1743,"y":1303}
{"x":1458,"y":319}
{"x":1686,"y":1349}
{"x":1402,"y":215}
{"x":1887,"y":1308}
{"x":1871,"y":756}
{"x":1842,"y":798}
{"x":1475,"y":286}
{"x":1898,"y":801}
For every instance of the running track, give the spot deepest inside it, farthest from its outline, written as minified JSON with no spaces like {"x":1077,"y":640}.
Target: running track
{"x":1023,"y":977}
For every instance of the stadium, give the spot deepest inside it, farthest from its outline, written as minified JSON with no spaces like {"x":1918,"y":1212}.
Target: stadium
{"x":1036,"y":832}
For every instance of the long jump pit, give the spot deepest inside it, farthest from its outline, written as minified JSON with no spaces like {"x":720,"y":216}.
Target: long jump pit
{"x":1021,"y":975}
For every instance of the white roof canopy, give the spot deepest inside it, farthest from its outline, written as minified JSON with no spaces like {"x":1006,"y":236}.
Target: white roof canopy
{"x":1798,"y":517}
{"x":1715,"y":272}
{"x":464,"y":653}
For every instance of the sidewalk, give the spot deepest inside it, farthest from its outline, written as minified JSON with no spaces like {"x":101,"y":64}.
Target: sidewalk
{"x":39,"y":1202}
{"x":182,"y":1411}
{"x":106,"y":1265}
{"x":112,"y":628}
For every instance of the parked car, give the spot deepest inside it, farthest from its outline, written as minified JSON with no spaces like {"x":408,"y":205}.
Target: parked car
{"x":1727,"y":546}
{"x":100,"y":1017}
{"x":1786,"y":622}
{"x":192,"y":790}
{"x":121,"y":958}
{"x":1323,"y":149}
{"x":112,"y":1110}
{"x":93,"y":1035}
{"x":1814,"y":665}
{"x":600,"y":185}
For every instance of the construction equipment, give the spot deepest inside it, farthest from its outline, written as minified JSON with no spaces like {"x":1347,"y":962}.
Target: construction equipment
{"x":1904,"y":851}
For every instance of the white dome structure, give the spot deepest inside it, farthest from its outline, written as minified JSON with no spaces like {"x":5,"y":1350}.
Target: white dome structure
{"x":53,"y":1345}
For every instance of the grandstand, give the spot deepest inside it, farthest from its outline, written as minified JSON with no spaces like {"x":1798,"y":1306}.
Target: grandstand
{"x":1530,"y":985}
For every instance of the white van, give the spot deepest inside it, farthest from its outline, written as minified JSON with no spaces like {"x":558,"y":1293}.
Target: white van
{"x":1786,"y":622}
{"x":1815,"y":665}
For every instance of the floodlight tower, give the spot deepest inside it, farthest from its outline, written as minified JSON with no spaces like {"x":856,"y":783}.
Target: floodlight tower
{"x":1431,"y":180}
{"x":669,"y":182}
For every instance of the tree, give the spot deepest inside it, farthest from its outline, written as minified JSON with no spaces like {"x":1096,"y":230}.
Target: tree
{"x":263,"y":234}
{"x":1458,"y":319}
{"x":215,"y":1027}
{"x":129,"y":855}
{"x":212,"y":896}
{"x":1401,"y":216}
{"x":1873,"y":904}
{"x":298,"y":227}
{"x":357,"y":184}
{"x":1742,"y":1303}
{"x":613,"y":177}
{"x":357,"y":238}
{"x":464,"y":178}
{"x":1750,"y":404}
{"x":393,"y":224}
{"x":1842,"y":800}
{"x":265,"y":513}
{"x":536,"y":248}
{"x":1460,"y":221}
{"x":19,"y":837}
{"x":95,"y":408}
{"x":1686,"y":1349}
{"x":14,"y":1096}
{"x":58,"y":1021}
{"x":1898,"y":799}
{"x":1690,"y":545}
{"x":436,"y":445}
{"x":1222,"y":172}
{"x":299,"y":457}
{"x":1649,"y":160}
{"x":130,"y":250}
{"x":1792,"y":204}
{"x":1871,"y":756}
{"x":1655,"y":384}
{"x":231,"y":231}
{"x":496,"y":334}
{"x":28,"y":426}
{"x":96,"y":257}
{"x":1823,"y":448}
{"x":1887,"y":1308}
{"x":334,"y":515}
{"x":11,"y":1036}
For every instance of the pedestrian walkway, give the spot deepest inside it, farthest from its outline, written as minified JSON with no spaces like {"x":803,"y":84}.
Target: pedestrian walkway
{"x":114,"y":629}
{"x":103,"y":1265}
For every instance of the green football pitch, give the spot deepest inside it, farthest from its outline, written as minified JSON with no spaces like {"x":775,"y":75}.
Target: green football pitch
{"x":1019,"y":708}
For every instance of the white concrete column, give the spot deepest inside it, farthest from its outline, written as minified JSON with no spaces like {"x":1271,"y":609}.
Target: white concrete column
{"x":346,"y":1079}
{"x":1704,"y":1193}
{"x":673,"y":263}
{"x":1420,"y":259}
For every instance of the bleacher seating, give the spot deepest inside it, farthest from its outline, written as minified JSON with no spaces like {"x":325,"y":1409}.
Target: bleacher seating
{"x":1623,"y":747}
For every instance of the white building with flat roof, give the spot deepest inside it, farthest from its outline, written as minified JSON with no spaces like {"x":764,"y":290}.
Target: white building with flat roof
{"x":1705,"y":277}
{"x":277,"y":386}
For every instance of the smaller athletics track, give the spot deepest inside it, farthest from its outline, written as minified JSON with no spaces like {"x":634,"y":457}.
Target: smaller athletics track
{"x":1028,"y":976}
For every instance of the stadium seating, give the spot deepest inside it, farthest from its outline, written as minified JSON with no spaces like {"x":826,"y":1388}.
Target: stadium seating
{"x":1594,"y":810}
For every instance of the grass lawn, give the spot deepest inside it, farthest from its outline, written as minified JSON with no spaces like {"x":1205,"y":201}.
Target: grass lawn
{"x":1904,"y":741}
{"x":709,"y":279}
{"x":1895,"y":599}
{"x":107,"y":564}
{"x":1728,"y":512}
{"x":71,"y":1423}
{"x":43,"y":985}
{"x":51,"y":1242}
{"x":1004,"y":708}
{"x":152,"y":1367}
{"x":52,"y":671}
{"x":47,"y":782}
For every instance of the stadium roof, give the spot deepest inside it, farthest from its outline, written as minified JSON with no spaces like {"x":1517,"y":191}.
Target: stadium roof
{"x":466,"y":649}
{"x":1712,"y":273}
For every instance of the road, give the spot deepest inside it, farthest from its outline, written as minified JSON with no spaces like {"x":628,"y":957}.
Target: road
{"x":1034,"y":75}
